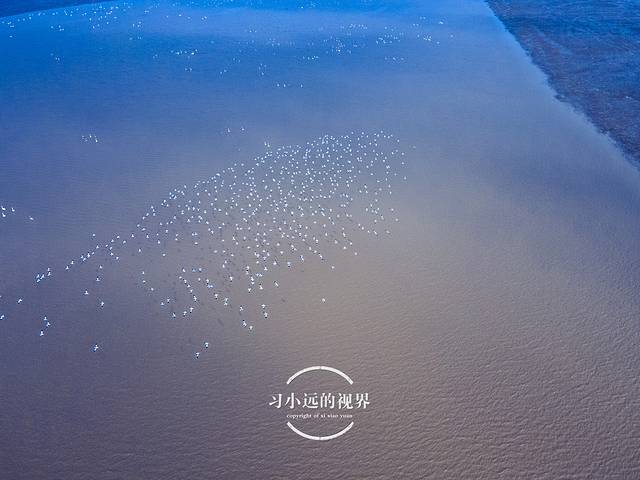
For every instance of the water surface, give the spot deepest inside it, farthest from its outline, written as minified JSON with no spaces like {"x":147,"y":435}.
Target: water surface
{"x":495,"y":329}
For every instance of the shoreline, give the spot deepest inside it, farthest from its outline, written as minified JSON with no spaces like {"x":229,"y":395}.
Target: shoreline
{"x":589,"y":57}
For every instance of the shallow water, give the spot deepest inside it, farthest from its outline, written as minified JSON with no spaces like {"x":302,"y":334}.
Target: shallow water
{"x":495,"y":328}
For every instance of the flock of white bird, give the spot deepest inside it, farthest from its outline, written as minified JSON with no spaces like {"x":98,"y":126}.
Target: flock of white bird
{"x":340,"y":40}
{"x":247,"y":227}
{"x":251,"y":223}
{"x":6,"y":212}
